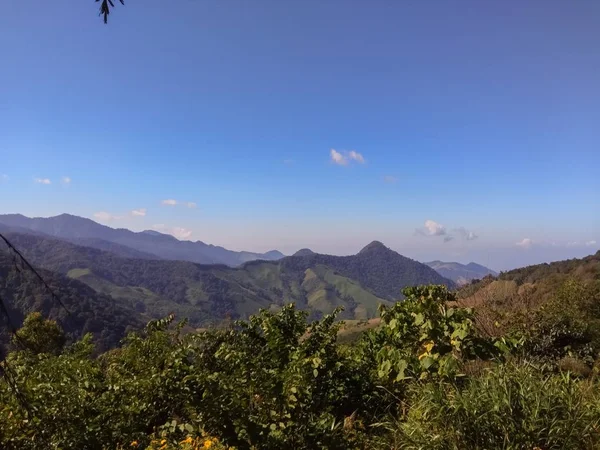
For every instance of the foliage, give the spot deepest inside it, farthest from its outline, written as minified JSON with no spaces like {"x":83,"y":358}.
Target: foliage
{"x":511,"y":407}
{"x":424,"y":378}
{"x":422,"y":337}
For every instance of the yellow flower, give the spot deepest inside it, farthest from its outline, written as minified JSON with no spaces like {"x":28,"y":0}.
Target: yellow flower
{"x":207,"y":443}
{"x":187,"y":440}
{"x":423,"y":355}
{"x":134,"y":444}
{"x":429,"y":345}
{"x":163,"y":442}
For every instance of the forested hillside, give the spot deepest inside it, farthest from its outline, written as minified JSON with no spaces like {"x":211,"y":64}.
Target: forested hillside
{"x":87,"y":311}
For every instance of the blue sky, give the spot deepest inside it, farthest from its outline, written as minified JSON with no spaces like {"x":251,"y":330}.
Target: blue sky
{"x":481,"y":117}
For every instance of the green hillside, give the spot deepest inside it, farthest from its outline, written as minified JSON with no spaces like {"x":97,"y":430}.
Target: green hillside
{"x":87,"y":310}
{"x":211,"y":294}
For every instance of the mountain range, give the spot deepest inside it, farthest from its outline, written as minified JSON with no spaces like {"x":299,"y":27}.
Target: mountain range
{"x":136,"y":277}
{"x":147,"y":244}
{"x":461,"y":274}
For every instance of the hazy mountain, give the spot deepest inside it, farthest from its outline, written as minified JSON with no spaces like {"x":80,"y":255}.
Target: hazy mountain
{"x":461,"y":273}
{"x":206,"y":293}
{"x":149,"y":243}
{"x":304,"y":252}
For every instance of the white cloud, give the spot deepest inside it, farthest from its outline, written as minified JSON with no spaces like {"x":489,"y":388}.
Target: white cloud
{"x":4,"y":178}
{"x":433,"y":228}
{"x":139,"y":212}
{"x":525,"y":243}
{"x":169,"y":202}
{"x":178,"y":232}
{"x":572,"y":244}
{"x":66,"y":181}
{"x":43,"y":180}
{"x":356,"y":156}
{"x":343,"y":158}
{"x":106,"y":217}
{"x":590,"y":243}
{"x":181,"y":233}
{"x":338,"y":158}
{"x":466,"y":234}
{"x":390,"y":179}
{"x":192,"y":205}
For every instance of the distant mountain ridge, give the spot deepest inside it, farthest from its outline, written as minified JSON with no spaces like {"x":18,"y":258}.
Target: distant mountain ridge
{"x":461,"y":273}
{"x":146,"y":244}
{"x":208,"y":293}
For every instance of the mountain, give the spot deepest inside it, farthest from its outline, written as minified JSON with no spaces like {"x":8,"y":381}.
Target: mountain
{"x":86,"y":310}
{"x":304,"y":252}
{"x":381,"y":270}
{"x":461,"y":274}
{"x":148,"y":244}
{"x":209,"y":293}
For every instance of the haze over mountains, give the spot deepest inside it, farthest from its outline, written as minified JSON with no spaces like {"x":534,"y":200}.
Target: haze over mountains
{"x":461,"y":273}
{"x":145,"y":244}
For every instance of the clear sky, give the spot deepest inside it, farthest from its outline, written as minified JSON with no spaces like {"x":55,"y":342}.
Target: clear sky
{"x":321,"y":124}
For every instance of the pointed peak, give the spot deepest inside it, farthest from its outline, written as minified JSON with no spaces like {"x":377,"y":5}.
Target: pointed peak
{"x":372,"y":247}
{"x":304,"y":252}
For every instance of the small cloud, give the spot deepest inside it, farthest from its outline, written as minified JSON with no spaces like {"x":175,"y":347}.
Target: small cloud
{"x":572,"y":244}
{"x":448,"y":238}
{"x":43,"y":180}
{"x":4,"y":178}
{"x":343,"y":158}
{"x":390,"y":179}
{"x":525,"y":243}
{"x":590,"y":243}
{"x":139,"y":212}
{"x":338,"y":158}
{"x":66,"y":181}
{"x":106,"y":216}
{"x":466,"y":234}
{"x":191,"y":205}
{"x":169,"y":202}
{"x":356,"y":156}
{"x":178,"y":232}
{"x":181,"y":233}
{"x":433,"y":228}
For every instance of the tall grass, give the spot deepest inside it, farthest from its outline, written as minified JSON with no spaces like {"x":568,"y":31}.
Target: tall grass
{"x":512,"y":407}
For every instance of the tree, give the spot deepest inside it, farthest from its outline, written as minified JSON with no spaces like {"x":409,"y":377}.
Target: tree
{"x":40,"y":335}
{"x":105,"y":8}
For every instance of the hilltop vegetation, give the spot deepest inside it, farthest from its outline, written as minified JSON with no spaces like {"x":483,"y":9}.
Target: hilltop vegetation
{"x":427,"y":378}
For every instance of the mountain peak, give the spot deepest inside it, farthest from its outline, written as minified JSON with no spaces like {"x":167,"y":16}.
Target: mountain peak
{"x":304,"y":252}
{"x":372,"y":247}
